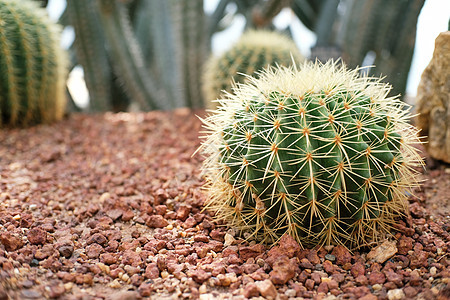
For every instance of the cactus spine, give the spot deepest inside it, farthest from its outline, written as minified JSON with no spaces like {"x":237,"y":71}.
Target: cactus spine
{"x":32,"y":65}
{"x":255,"y":50}
{"x":317,"y":152}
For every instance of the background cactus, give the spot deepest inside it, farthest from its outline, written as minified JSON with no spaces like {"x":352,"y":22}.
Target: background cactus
{"x":319,"y":153}
{"x":255,"y":50}
{"x":32,"y":65}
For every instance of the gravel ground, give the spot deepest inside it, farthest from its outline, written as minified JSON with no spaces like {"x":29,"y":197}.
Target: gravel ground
{"x":110,"y":207}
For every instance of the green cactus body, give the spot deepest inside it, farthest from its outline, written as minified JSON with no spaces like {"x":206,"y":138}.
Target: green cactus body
{"x":255,"y":50}
{"x":32,"y":65}
{"x":318,"y":153}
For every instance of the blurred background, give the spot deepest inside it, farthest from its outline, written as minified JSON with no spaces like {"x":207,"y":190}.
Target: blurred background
{"x":150,"y":53}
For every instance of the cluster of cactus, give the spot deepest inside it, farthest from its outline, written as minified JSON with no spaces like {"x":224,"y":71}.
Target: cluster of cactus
{"x":255,"y":50}
{"x":314,"y":151}
{"x":32,"y":65}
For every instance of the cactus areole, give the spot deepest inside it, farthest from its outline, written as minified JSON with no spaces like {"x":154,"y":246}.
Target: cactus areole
{"x":314,"y":151}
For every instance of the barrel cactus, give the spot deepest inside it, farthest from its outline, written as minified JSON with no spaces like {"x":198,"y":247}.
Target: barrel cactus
{"x":255,"y":50}
{"x":315,"y":151}
{"x":32,"y":65}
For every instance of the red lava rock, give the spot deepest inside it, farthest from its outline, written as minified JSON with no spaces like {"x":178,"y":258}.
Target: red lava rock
{"x":94,"y":250}
{"x":151,"y":271}
{"x":56,"y":291}
{"x":251,"y":290}
{"x":160,"y":209}
{"x":108,"y":258}
{"x":183,"y":212}
{"x":391,"y":276}
{"x":342,"y":255}
{"x":236,"y":269}
{"x":44,"y":252}
{"x":266,"y":289}
{"x":11,"y":242}
{"x":259,"y":274}
{"x":322,"y":288}
{"x":357,"y":269}
{"x":332,"y":284}
{"x":127,"y":215}
{"x":376,"y":278}
{"x":37,"y":236}
{"x":251,"y":251}
{"x":189,"y":223}
{"x":201,"y":238}
{"x":145,"y":289}
{"x":200,"y":276}
{"x":415,"y":278}
{"x":97,"y":238}
{"x":404,"y":244}
{"x":328,"y":266}
{"x":283,"y":270}
{"x":309,"y":284}
{"x":132,"y":258}
{"x":410,"y":292}
{"x":114,"y":214}
{"x":287,"y":245}
{"x":217,"y":235}
{"x":418,"y":259}
{"x":306,"y":264}
{"x":156,"y":221}
{"x":313,"y":257}
{"x":362,"y":280}
{"x":250,"y":268}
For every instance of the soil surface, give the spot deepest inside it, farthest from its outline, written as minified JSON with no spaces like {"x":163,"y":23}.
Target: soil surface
{"x":110,"y":207}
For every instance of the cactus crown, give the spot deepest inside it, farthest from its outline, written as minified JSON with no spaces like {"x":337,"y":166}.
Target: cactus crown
{"x":33,"y":66}
{"x":317,"y":152}
{"x":255,"y":50}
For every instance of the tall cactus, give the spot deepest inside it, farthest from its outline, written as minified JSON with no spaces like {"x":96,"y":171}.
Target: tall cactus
{"x":316,"y":152}
{"x":32,"y":65}
{"x":255,"y":50}
{"x":91,"y":53}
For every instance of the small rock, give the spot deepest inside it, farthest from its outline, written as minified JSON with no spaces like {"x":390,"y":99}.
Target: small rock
{"x":328,"y":267}
{"x":410,"y":292}
{"x":357,"y":269}
{"x":37,"y":236}
{"x":266,"y":289}
{"x":251,"y":251}
{"x":362,"y":280}
{"x":200,"y":275}
{"x":376,"y":278}
{"x":330,"y":257}
{"x":66,"y":250}
{"x":114,"y":214}
{"x":342,"y":255}
{"x":283,"y":270}
{"x":396,"y":294}
{"x":156,"y":221}
{"x":229,"y":240}
{"x":94,"y":250}
{"x":251,"y":290}
{"x":97,"y":238}
{"x":322,"y":288}
{"x":11,"y":242}
{"x":383,"y":252}
{"x":309,"y":284}
{"x":404,"y":244}
{"x":151,"y":271}
{"x":306,"y":264}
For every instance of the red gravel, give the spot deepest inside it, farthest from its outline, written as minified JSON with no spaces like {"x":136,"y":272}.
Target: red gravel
{"x":110,"y":207}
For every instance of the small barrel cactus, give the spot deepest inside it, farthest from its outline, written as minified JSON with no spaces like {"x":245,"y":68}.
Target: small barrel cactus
{"x":32,"y":65}
{"x":255,"y":50}
{"x":318,"y":152}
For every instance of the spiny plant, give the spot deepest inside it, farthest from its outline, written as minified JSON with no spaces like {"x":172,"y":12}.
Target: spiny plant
{"x":32,"y":65}
{"x":316,"y":152}
{"x":255,"y":50}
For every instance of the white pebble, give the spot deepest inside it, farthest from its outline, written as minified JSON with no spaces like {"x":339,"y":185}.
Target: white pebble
{"x":396,"y":294}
